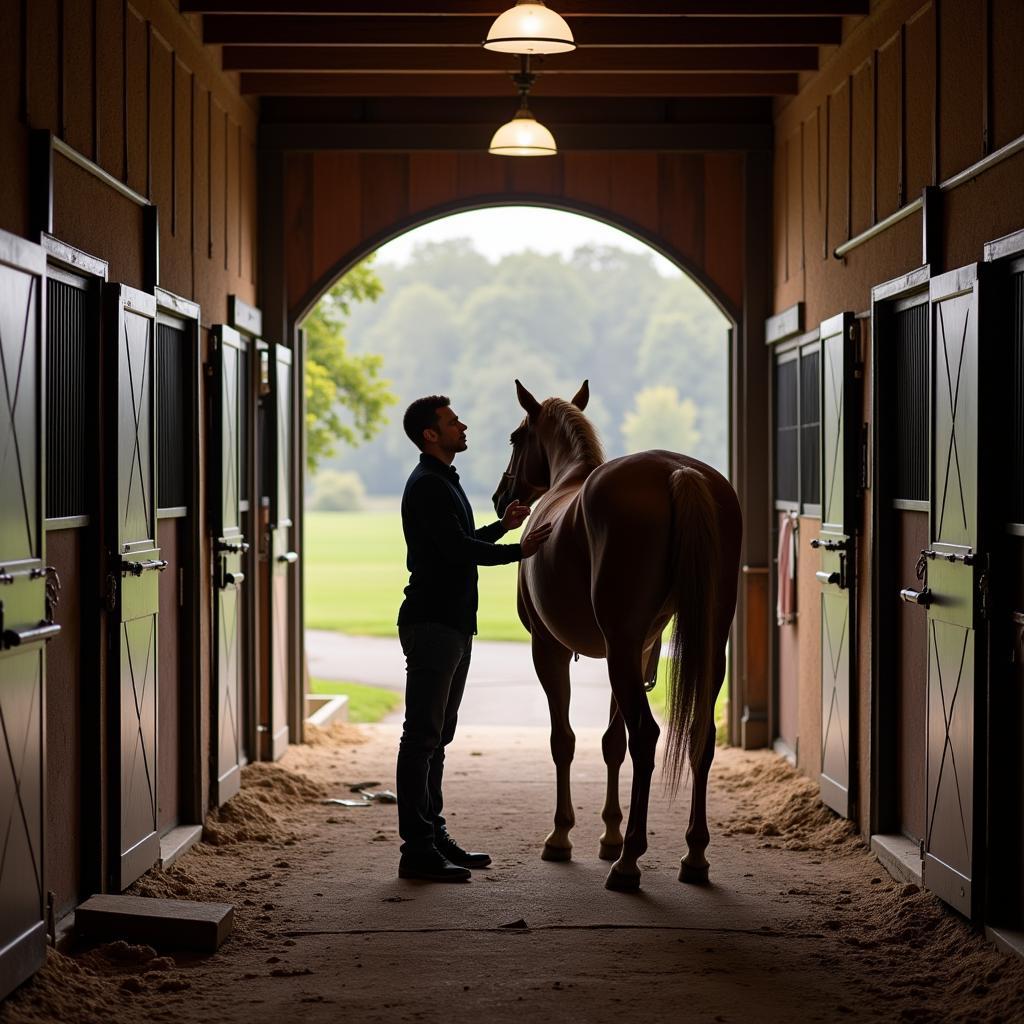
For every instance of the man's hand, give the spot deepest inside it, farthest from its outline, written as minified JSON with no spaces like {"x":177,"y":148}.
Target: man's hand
{"x":515,"y":515}
{"x":533,"y":540}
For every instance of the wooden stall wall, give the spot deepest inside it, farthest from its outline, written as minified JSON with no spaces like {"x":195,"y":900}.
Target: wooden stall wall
{"x":337,"y":205}
{"x":130,"y":88}
{"x":917,"y":93}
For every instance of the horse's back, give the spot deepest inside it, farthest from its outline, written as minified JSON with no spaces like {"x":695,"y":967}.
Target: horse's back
{"x":638,"y":487}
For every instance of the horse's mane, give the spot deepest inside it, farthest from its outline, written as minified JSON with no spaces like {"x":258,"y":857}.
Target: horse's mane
{"x":577,"y":431}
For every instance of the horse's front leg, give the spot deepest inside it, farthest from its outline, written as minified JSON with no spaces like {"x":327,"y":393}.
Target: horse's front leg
{"x":626,"y":675}
{"x":551,"y":660}
{"x":613,"y":747}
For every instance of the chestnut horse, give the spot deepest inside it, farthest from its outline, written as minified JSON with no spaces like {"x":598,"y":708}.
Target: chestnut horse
{"x":634,"y":542}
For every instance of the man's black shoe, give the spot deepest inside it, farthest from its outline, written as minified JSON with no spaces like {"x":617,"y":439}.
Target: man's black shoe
{"x":451,"y":851}
{"x":431,"y":866}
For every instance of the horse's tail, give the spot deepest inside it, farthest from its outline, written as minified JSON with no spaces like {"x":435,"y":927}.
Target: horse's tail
{"x":691,"y":683}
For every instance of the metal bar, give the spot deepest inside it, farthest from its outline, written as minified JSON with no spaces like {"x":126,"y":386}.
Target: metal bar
{"x":66,"y":151}
{"x":840,"y":251}
{"x":960,"y":178}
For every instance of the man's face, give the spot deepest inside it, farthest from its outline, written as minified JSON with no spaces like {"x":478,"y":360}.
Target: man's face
{"x":450,"y":432}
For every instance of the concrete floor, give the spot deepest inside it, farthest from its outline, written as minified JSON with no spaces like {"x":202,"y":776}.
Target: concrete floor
{"x":800,"y":923}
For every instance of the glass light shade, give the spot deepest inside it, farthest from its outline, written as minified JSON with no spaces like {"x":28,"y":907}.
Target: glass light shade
{"x":523,"y":136}
{"x":530,"y":28}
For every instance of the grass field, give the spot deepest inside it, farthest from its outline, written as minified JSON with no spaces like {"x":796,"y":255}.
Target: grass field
{"x":355,"y":574}
{"x":365,"y":703}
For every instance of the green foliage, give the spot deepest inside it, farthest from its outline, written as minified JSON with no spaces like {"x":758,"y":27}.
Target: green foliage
{"x":337,"y":380}
{"x":661,"y":420}
{"x":365,"y":703}
{"x":451,"y":322}
{"x":335,"y":491}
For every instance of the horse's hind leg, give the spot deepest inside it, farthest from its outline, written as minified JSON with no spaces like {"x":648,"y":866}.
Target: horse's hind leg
{"x":613,"y":747}
{"x":625,"y":669}
{"x":551,"y":660}
{"x":693,"y":867}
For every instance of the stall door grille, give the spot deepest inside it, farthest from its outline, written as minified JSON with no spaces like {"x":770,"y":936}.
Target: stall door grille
{"x":911,"y":397}
{"x":787,"y":431}
{"x":67,"y":319}
{"x":1017,"y":433}
{"x":172,"y":412}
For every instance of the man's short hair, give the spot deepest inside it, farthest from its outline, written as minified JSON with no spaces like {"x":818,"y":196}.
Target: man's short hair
{"x":422,"y":415}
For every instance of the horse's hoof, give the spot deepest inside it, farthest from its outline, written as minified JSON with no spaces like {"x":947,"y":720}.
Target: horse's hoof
{"x":556,"y":853}
{"x":691,"y":875}
{"x":618,"y":882}
{"x":609,"y":852}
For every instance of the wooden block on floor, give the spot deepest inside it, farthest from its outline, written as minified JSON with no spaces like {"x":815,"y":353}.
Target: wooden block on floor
{"x":163,"y":924}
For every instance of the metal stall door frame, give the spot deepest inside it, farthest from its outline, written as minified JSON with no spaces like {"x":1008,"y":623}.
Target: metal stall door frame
{"x":230,"y":548}
{"x":1004,"y":874}
{"x":836,"y":546}
{"x":248,"y":322}
{"x":957,"y":575}
{"x":282,"y":556}
{"x":184,"y":315}
{"x":132,"y":591}
{"x":25,"y":624}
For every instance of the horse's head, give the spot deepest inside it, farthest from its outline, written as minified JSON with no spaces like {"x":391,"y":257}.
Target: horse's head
{"x":528,"y":474}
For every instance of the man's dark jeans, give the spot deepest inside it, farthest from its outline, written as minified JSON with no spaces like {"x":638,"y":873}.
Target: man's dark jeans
{"x":437,"y":661}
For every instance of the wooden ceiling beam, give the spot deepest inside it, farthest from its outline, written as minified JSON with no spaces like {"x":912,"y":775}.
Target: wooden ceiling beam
{"x":223,"y":30}
{"x":382,"y":59}
{"x":664,"y":138}
{"x":573,"y":8}
{"x":583,"y":84}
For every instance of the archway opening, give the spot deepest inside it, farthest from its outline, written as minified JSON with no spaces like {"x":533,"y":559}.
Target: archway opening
{"x":461,"y":306}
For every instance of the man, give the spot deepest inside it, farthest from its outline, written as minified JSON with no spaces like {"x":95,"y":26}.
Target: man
{"x":436,"y":624}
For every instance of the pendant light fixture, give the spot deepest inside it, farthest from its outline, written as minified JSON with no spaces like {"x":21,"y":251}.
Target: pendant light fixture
{"x":524,"y":135}
{"x":528,"y":28}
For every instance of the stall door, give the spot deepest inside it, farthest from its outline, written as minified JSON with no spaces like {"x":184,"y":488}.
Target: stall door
{"x":282,"y":557}
{"x":956,"y":578}
{"x":835,"y":546}
{"x":24,"y":625}
{"x":230,"y":545}
{"x":133,"y":598}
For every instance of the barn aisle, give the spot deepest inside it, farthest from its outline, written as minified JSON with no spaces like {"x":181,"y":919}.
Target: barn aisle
{"x":801,"y":924}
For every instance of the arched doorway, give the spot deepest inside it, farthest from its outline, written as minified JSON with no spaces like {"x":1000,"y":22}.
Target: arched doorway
{"x":561,"y":297}
{"x":709,"y":211}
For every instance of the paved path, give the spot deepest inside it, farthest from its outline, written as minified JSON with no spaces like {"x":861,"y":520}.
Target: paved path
{"x":502,"y":688}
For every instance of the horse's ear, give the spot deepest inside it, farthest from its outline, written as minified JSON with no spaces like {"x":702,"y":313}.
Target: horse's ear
{"x":527,"y":401}
{"x":582,"y":396}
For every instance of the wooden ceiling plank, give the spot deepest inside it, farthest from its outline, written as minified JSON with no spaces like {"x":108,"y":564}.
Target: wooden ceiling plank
{"x":436,"y":60}
{"x":315,"y":30}
{"x":584,"y":84}
{"x":573,"y":8}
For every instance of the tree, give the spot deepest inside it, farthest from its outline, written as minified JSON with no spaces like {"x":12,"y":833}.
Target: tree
{"x":338,"y":381}
{"x":660,"y":420}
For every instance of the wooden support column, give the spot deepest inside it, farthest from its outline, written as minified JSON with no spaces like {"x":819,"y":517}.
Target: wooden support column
{"x":273,"y":299}
{"x":751,"y":668}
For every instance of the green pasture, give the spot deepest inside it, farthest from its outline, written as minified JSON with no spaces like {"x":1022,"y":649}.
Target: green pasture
{"x":365,"y":703}
{"x":355,"y":574}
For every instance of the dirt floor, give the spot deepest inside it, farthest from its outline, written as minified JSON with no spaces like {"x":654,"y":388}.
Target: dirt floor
{"x":800,"y":922}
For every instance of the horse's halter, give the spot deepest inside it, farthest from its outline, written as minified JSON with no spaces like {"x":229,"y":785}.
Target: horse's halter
{"x":512,"y":472}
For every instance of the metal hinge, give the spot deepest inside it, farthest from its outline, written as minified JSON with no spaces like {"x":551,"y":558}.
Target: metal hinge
{"x":110,"y":593}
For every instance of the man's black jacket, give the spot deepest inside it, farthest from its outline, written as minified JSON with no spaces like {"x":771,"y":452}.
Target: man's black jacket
{"x":444,"y":548}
